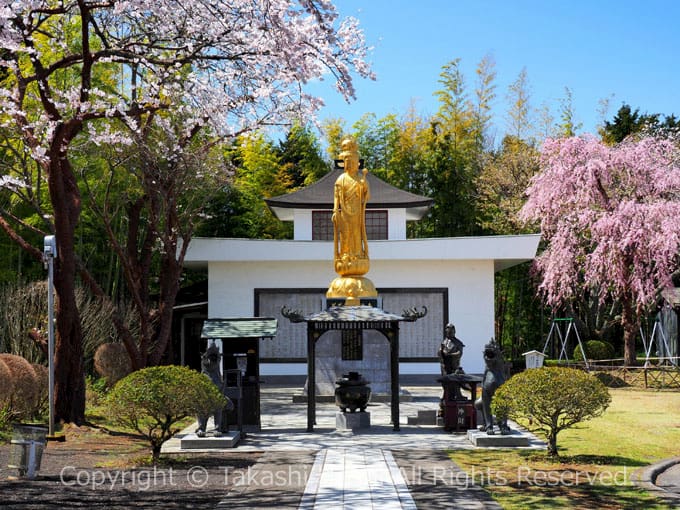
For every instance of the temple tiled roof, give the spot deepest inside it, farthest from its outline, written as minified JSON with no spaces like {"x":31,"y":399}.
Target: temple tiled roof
{"x":319,"y":195}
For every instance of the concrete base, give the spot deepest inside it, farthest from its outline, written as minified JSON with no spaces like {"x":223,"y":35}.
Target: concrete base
{"x":353,"y":421}
{"x":226,"y":440}
{"x":425,"y":417}
{"x":514,"y":439}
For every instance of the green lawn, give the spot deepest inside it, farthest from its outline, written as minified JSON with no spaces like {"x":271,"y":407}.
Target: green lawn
{"x":597,"y":458}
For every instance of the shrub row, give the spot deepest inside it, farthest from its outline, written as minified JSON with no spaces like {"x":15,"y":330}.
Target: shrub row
{"x":25,"y":390}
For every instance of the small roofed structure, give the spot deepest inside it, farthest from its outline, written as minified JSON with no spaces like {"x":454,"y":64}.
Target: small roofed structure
{"x":353,"y":317}
{"x":239,"y":339}
{"x":401,"y":206}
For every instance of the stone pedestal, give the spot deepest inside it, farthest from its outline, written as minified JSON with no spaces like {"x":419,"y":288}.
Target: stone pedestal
{"x":514,"y":438}
{"x":226,"y":440}
{"x":459,"y":416}
{"x":425,"y":417}
{"x":352,"y":421}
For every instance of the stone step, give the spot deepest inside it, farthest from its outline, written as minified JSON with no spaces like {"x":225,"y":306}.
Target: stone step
{"x":498,"y":440}
{"x":226,"y":440}
{"x":425,"y":417}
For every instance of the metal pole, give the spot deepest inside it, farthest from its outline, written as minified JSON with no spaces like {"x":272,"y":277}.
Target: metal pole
{"x":50,"y":340}
{"x":50,"y":252}
{"x":311,"y":377}
{"x":394,"y":374}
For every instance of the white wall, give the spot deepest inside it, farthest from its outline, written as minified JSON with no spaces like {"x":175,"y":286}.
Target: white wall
{"x":470,"y":284}
{"x":464,"y":265}
{"x":302,"y":224}
{"x":396,"y":224}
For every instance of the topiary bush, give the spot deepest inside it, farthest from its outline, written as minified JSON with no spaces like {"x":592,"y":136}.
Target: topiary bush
{"x":24,"y":396}
{"x":595,"y":349}
{"x":551,"y":399}
{"x":152,"y":400}
{"x":7,"y":385}
{"x":112,"y":362}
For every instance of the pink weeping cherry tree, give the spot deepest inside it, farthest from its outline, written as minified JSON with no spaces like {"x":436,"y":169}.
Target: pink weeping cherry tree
{"x":610,"y":216}
{"x":74,"y":68}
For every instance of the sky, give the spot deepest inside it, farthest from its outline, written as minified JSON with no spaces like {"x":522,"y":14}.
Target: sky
{"x":622,"y":51}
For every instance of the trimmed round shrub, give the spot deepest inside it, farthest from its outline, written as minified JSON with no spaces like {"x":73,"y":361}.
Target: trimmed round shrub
{"x":551,"y":399}
{"x":22,"y":401}
{"x":595,"y":349}
{"x":112,"y":362}
{"x":7,"y":385}
{"x":152,"y":400}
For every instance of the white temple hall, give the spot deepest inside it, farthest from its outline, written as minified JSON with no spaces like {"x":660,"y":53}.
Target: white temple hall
{"x":452,"y":277}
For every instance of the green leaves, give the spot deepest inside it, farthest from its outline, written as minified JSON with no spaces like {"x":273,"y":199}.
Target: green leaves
{"x":153,"y":399}
{"x":551,"y":399}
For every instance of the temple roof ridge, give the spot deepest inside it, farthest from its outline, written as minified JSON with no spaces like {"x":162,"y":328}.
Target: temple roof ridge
{"x":319,"y":195}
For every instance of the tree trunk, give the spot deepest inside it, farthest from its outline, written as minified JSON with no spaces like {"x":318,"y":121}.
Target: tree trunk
{"x":630,"y":327}
{"x":69,"y":369}
{"x":551,"y":436}
{"x":170,"y":276}
{"x":552,"y":445}
{"x":155,"y":452}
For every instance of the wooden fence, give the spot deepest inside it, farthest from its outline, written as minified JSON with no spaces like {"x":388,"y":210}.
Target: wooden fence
{"x":662,"y":373}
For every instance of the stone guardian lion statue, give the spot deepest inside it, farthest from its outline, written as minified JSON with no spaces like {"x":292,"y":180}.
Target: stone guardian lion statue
{"x":494,"y":376}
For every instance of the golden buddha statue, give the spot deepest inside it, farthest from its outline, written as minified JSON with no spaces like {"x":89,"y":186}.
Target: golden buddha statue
{"x":350,"y":254}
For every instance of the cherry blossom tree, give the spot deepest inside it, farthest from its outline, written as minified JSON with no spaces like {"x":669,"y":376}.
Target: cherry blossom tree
{"x":74,"y":68}
{"x":611,"y":218}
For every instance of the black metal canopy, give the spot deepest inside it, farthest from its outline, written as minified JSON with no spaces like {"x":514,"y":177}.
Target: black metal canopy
{"x":352,"y":317}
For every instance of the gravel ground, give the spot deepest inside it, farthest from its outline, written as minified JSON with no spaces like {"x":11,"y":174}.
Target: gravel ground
{"x":92,"y":469}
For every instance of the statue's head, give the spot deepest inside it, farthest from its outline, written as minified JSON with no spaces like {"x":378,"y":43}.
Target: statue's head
{"x":493,"y":354}
{"x":349,"y":145}
{"x":450,"y":330}
{"x":211,"y":357}
{"x":350,"y":154}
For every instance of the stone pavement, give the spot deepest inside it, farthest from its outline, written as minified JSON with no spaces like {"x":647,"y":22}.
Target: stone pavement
{"x":367,"y":468}
{"x":359,"y":478}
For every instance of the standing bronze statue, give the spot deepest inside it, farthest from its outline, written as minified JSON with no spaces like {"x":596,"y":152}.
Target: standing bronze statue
{"x":350,"y":242}
{"x":450,"y":351}
{"x":210,"y":366}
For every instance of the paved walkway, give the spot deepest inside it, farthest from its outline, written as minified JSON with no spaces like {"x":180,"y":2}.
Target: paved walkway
{"x":360,"y":479}
{"x":374,"y":468}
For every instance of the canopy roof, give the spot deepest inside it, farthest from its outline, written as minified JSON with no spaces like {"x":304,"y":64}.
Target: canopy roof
{"x":239,"y":327}
{"x":353,"y":317}
{"x":360,"y":313}
{"x":319,"y":195}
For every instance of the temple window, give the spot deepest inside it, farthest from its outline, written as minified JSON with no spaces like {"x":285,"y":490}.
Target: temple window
{"x":322,"y":226}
